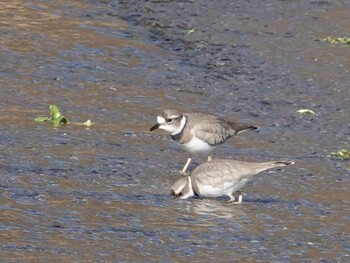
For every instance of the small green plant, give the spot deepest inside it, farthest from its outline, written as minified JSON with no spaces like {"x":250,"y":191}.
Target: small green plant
{"x":306,"y":111}
{"x":336,"y":40}
{"x":56,"y":118}
{"x":341,"y":154}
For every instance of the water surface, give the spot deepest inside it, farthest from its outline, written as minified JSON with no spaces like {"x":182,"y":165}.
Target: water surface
{"x":76,"y":194}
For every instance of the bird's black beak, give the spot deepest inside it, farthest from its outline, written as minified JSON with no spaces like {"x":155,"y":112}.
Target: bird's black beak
{"x":155,"y":127}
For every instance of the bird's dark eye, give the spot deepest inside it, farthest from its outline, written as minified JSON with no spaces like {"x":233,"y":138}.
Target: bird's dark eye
{"x":169,"y":120}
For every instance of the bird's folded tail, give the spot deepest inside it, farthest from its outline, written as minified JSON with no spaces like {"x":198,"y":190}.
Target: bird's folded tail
{"x":259,"y":167}
{"x":283,"y":163}
{"x":242,"y":127}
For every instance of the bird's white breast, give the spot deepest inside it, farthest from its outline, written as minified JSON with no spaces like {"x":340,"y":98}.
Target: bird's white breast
{"x":210,"y":190}
{"x":196,"y":145}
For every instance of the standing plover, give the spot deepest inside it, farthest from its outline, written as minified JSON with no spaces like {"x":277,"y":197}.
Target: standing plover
{"x":198,"y":132}
{"x":221,"y":177}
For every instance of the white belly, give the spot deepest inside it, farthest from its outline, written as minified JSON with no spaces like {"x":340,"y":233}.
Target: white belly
{"x":196,"y":145}
{"x":208,"y":190}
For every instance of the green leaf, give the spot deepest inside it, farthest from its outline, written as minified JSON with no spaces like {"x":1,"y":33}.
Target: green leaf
{"x":341,"y":154}
{"x":336,"y":40}
{"x":306,"y":111}
{"x":54,"y":112}
{"x":42,"y":119}
{"x":56,"y":118}
{"x":55,"y":122}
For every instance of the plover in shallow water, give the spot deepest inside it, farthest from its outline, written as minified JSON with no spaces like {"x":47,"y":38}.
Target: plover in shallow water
{"x":198,"y":132}
{"x":221,"y":177}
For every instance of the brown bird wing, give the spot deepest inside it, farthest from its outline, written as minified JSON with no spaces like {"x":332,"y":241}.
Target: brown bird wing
{"x":213,"y":130}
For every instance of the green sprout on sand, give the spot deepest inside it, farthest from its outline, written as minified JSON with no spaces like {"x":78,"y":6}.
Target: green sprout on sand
{"x":56,"y":118}
{"x":341,"y":154}
{"x":306,"y":112}
{"x":336,"y":40}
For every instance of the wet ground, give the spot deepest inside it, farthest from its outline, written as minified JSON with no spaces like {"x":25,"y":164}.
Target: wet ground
{"x":76,"y":194}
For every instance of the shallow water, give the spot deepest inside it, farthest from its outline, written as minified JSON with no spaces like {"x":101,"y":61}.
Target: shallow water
{"x":77,"y":194}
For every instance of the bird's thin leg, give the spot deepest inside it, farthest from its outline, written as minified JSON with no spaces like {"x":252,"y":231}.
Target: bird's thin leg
{"x":232,"y":198}
{"x":189,"y":160}
{"x":209,"y":158}
{"x":240,"y":197}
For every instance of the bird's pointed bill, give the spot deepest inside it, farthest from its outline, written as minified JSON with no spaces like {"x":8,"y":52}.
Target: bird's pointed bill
{"x":156,"y":126}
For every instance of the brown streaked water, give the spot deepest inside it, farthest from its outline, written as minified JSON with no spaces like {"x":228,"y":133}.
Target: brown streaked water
{"x":76,"y":194}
